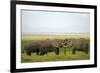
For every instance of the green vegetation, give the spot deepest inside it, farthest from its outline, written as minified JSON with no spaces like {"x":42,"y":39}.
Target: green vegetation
{"x":52,"y":57}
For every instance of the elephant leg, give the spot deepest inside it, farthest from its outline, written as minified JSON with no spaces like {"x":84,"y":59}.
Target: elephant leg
{"x":86,"y":51}
{"x":74,"y":51}
{"x":57,"y":51}
{"x":28,"y":52}
{"x":42,"y":52}
{"x":37,"y":52}
{"x":46,"y":52}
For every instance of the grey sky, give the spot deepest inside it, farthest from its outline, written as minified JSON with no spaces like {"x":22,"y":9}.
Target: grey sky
{"x":44,"y":21}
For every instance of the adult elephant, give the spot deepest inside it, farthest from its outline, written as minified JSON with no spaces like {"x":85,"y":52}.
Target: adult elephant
{"x":80,"y":45}
{"x":32,"y":47}
{"x":41,"y":47}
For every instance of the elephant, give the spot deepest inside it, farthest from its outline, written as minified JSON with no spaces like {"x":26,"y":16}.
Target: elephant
{"x":42,"y":47}
{"x":80,"y":45}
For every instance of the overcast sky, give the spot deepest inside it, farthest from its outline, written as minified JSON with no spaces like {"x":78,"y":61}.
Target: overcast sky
{"x":44,"y":21}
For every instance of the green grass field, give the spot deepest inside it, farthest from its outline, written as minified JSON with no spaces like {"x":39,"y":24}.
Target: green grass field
{"x":52,"y":56}
{"x":30,"y":37}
